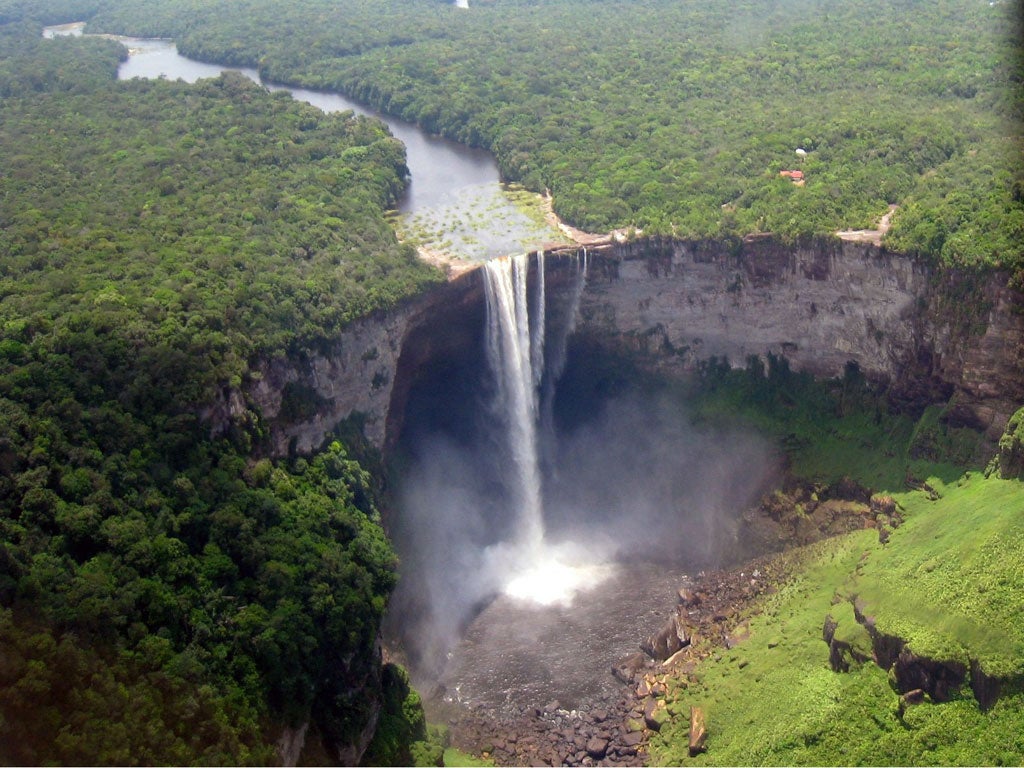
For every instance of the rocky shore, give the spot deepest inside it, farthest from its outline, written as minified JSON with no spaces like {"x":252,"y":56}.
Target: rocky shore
{"x":616,"y":733}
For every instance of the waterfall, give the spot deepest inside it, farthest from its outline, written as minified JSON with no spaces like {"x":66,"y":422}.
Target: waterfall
{"x":533,"y":569}
{"x":515,"y":353}
{"x":537,"y":331}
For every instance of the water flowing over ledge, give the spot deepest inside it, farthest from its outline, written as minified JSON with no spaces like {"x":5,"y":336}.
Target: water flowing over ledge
{"x":537,"y":571}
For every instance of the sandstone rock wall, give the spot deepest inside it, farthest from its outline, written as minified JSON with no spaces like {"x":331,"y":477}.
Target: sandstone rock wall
{"x":353,"y":375}
{"x":356,"y":374}
{"x":820,"y":305}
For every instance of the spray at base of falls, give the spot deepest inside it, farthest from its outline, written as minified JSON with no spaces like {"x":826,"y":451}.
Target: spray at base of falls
{"x":536,"y":570}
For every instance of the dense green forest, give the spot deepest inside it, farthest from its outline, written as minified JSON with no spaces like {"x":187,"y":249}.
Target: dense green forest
{"x":676,"y":117}
{"x":167,"y":598}
{"x":163,"y":597}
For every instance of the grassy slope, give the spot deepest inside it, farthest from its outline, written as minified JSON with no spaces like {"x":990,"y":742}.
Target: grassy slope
{"x":950,"y":581}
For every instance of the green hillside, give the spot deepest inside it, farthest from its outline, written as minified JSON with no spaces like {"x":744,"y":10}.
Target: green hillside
{"x":948,"y":582}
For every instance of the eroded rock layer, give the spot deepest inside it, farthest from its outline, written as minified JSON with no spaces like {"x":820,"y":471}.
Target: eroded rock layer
{"x":931,"y":338}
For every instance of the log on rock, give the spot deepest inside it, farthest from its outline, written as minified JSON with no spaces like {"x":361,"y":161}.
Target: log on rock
{"x":698,"y":732}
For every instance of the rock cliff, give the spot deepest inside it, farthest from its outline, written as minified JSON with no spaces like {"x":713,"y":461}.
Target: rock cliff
{"x":930,"y":337}
{"x":301,"y":398}
{"x":819,"y":304}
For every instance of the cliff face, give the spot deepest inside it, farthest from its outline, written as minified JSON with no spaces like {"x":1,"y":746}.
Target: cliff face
{"x":979,"y":332}
{"x":820,"y":304}
{"x":930,"y":337}
{"x":302,"y":398}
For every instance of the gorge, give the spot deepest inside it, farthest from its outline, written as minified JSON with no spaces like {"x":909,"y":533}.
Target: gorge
{"x":675,"y":304}
{"x":546,"y":438}
{"x":620,"y":466}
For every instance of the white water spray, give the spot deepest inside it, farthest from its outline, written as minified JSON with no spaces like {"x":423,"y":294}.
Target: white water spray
{"x":517,"y":369}
{"x":540,"y":572}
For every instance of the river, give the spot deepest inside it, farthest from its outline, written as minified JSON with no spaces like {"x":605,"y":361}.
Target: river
{"x":455,"y":202}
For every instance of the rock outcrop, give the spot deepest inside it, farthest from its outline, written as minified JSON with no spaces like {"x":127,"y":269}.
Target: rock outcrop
{"x":855,"y":638}
{"x":698,"y":731}
{"x":929,"y":337}
{"x":668,"y":641}
{"x":1010,"y":459}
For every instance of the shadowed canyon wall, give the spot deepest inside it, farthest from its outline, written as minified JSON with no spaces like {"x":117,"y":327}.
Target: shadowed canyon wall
{"x":930,"y":337}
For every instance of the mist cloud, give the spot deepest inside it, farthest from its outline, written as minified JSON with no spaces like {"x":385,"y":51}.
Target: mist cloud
{"x":637,"y":481}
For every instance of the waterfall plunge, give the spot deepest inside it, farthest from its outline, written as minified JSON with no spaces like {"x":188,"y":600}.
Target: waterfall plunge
{"x":537,"y":570}
{"x":516,"y":357}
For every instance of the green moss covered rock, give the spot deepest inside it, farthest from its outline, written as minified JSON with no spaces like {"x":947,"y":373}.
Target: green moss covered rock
{"x":1011,"y":448}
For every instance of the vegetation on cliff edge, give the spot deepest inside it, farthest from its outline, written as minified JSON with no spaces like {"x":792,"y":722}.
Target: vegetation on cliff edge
{"x":676,"y":118}
{"x":165,"y":598}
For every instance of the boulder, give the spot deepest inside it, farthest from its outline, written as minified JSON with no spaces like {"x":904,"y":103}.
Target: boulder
{"x":670,"y":639}
{"x":635,"y":725}
{"x":737,"y":636}
{"x":908,"y":699}
{"x":688,"y":598}
{"x":698,"y":732}
{"x":655,"y":714}
{"x":597,"y":747}
{"x":633,"y":739}
{"x":628,"y":669}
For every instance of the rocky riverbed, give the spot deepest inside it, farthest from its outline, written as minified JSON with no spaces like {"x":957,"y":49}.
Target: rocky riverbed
{"x":612,"y":726}
{"x":615,"y":729}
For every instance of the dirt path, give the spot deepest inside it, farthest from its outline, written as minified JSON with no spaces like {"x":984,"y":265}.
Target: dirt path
{"x":873,"y":236}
